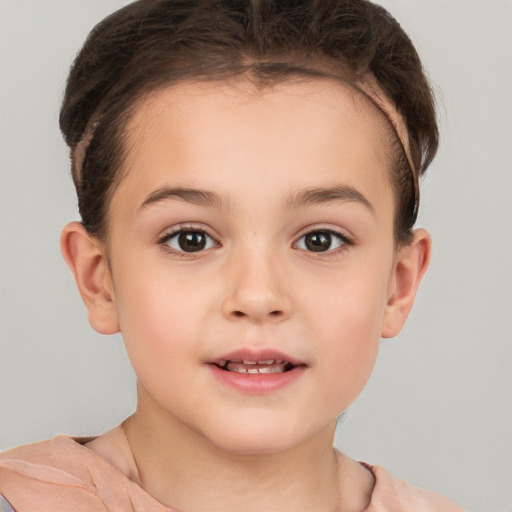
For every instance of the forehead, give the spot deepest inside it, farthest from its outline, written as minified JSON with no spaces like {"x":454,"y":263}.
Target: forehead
{"x":221,"y":134}
{"x":297,"y":99}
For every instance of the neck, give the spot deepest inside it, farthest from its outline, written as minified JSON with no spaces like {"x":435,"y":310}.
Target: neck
{"x":185,"y":471}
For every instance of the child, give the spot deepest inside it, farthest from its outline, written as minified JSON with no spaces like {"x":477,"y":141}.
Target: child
{"x":247,"y":177}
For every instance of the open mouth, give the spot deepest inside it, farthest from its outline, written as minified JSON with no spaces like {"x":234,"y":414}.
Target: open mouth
{"x":255,"y":367}
{"x":257,"y":372}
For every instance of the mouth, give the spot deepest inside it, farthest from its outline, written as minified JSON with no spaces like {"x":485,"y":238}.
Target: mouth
{"x":255,"y":366}
{"x":257,"y":372}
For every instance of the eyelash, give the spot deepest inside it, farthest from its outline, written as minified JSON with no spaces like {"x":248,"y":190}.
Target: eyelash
{"x":344,"y":241}
{"x":163,"y":241}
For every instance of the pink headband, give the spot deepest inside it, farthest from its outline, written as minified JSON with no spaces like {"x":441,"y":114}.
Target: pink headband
{"x":79,"y":151}
{"x":367,"y":85}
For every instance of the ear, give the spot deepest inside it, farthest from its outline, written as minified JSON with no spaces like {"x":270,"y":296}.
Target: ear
{"x":410,"y":266}
{"x":87,"y":259}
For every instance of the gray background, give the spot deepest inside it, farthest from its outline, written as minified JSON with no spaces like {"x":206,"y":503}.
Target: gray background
{"x":437,"y":410}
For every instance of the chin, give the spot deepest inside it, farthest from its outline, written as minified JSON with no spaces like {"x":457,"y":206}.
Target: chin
{"x":258,"y":438}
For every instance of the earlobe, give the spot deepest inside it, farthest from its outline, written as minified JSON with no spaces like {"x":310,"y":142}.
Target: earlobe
{"x":88,"y":262}
{"x":411,"y":264}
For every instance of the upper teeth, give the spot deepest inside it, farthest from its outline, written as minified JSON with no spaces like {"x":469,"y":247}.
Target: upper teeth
{"x":267,"y":361}
{"x":268,"y":369}
{"x":264,"y":366}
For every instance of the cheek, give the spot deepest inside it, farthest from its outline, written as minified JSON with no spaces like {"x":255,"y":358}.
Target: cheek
{"x":162,"y":336}
{"x":347,"y":320}
{"x":353,"y":345}
{"x":158,"y":316}
{"x":349,"y":303}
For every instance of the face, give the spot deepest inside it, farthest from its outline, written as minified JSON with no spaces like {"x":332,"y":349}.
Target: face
{"x":252,"y":226}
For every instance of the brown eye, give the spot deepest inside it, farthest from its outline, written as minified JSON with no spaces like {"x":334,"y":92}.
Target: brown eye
{"x":321,"y":241}
{"x":192,"y":241}
{"x":189,"y":241}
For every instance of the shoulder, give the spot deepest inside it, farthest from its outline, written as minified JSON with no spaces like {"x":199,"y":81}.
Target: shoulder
{"x":394,"y":495}
{"x":57,"y":456}
{"x":62,"y":474}
{"x":33,"y":473}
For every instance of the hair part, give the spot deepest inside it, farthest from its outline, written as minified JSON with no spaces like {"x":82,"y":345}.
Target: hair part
{"x":152,"y":44}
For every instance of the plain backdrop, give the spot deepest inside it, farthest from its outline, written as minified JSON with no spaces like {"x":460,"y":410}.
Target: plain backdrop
{"x":438,"y":409}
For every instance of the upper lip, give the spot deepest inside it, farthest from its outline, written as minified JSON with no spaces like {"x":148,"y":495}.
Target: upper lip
{"x":256,"y":356}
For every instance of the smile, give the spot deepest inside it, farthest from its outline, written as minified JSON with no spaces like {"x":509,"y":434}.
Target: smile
{"x":257,"y":372}
{"x":255,"y":367}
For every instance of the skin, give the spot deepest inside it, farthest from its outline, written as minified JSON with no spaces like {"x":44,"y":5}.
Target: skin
{"x":199,"y":444}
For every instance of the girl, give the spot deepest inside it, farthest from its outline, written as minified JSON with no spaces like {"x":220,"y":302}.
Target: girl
{"x":247,"y":177}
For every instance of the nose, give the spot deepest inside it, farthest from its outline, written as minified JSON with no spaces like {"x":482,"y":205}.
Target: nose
{"x":254,"y":288}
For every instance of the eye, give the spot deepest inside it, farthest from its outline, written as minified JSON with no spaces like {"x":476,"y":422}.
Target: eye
{"x":321,"y":241}
{"x":188,"y":240}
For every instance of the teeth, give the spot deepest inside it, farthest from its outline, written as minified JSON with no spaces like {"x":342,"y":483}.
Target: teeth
{"x":253,"y":367}
{"x":262,"y":368}
{"x":276,"y":369}
{"x":272,"y":369}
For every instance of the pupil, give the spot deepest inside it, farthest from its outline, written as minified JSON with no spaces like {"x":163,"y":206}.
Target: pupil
{"x":192,"y":241}
{"x":318,"y":241}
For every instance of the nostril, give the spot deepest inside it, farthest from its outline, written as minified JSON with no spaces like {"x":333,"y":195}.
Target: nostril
{"x":241,"y":314}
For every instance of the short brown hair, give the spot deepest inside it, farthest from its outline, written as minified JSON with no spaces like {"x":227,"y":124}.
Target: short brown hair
{"x":151,"y":44}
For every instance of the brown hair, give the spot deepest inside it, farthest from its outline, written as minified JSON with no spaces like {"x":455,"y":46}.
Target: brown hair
{"x":150,"y":44}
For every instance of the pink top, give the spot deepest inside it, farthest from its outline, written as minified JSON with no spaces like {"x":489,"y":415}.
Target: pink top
{"x":62,"y":474}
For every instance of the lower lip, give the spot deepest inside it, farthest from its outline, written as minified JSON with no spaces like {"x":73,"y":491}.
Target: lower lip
{"x":257,"y":383}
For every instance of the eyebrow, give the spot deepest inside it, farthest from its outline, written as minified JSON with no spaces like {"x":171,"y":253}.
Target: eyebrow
{"x":314,"y":196}
{"x":300,"y":199}
{"x":190,"y":195}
